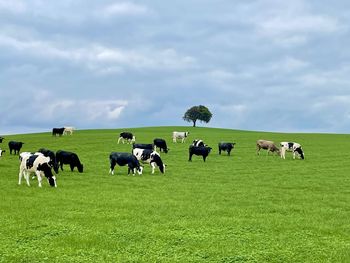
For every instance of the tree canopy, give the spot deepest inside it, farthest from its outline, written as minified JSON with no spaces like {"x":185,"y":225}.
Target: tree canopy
{"x":195,"y":113}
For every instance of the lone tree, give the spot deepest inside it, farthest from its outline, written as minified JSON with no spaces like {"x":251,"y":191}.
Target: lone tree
{"x":195,"y":113}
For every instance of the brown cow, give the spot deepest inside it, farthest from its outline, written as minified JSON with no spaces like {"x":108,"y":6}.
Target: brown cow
{"x":266,"y":145}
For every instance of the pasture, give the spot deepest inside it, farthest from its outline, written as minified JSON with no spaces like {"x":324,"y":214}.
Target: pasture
{"x":238,"y":208}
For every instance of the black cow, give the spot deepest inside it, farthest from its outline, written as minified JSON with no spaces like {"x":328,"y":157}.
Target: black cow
{"x":64,"y":157}
{"x":15,"y":146}
{"x":161,"y":144}
{"x":226,"y":146}
{"x":199,"y":150}
{"x":148,"y":146}
{"x":128,"y":136}
{"x":1,"y":139}
{"x":123,"y":159}
{"x":51,"y":154}
{"x":57,"y":131}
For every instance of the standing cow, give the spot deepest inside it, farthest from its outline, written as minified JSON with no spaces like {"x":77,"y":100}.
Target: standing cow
{"x":199,"y":150}
{"x":126,"y":136}
{"x":180,"y":135}
{"x":38,"y":164}
{"x":226,"y":146}
{"x":266,"y":145}
{"x":57,"y":131}
{"x":292,"y":147}
{"x":123,"y":159}
{"x":15,"y":146}
{"x":64,"y":157}
{"x":151,"y":157}
{"x":69,"y":130}
{"x":161,"y":144}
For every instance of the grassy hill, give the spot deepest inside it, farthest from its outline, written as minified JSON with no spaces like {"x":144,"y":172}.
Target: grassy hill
{"x":242,"y":208}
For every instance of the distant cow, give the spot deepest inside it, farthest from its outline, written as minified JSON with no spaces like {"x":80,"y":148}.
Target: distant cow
{"x":180,"y":135}
{"x":128,"y":136}
{"x":151,"y":157}
{"x":1,"y":152}
{"x":15,"y":146}
{"x":68,"y":130}
{"x":123,"y":159}
{"x":226,"y":146}
{"x":292,"y":147}
{"x":161,"y":144}
{"x":57,"y":131}
{"x":198,"y":142}
{"x":266,"y":145}
{"x":1,"y":139}
{"x":199,"y":150}
{"x":39,"y":165}
{"x":64,"y":157}
{"x":52,"y":155}
{"x":148,"y":146}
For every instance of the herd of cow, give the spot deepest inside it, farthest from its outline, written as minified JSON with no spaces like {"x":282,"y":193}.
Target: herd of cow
{"x":43,"y":161}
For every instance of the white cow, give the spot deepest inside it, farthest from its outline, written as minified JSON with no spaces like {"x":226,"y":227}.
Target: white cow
{"x":292,"y":147}
{"x":68,"y":130}
{"x":151,"y":157}
{"x":180,"y":135}
{"x":38,"y":164}
{"x":1,"y":152}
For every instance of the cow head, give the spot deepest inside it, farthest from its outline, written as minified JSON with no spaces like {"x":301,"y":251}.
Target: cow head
{"x":80,"y":167}
{"x":300,"y":152}
{"x":139,"y":169}
{"x":46,"y":168}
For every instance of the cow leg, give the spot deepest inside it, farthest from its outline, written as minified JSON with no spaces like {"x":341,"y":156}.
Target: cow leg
{"x":153,"y":167}
{"x":294,"y":154}
{"x":21,"y":171}
{"x":71,"y":167}
{"x":111,"y":169}
{"x":38,"y":175}
{"x":204,"y":157}
{"x":220,"y":151}
{"x":119,"y":139}
{"x":190,"y":158}
{"x":26,"y":176}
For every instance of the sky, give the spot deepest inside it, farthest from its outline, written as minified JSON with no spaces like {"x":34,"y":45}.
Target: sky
{"x":264,"y":65}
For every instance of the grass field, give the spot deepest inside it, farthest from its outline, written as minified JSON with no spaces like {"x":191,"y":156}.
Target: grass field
{"x":242,"y":208}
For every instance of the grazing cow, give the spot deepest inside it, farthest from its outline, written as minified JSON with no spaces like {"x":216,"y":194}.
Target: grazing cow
{"x":52,"y":155}
{"x":149,"y":146}
{"x":199,"y":150}
{"x":292,"y":147}
{"x":64,"y":157}
{"x":266,"y":145}
{"x":39,"y":165}
{"x":15,"y":146}
{"x":161,"y":144}
{"x":226,"y":146}
{"x":68,"y":130}
{"x":198,"y":142}
{"x":180,"y":135}
{"x":1,"y":152}
{"x":128,"y":136}
{"x":57,"y":131}
{"x":1,"y":139}
{"x":123,"y":159}
{"x":151,"y":157}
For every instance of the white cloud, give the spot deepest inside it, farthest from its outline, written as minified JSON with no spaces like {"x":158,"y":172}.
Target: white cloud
{"x":123,"y":9}
{"x":13,"y":6}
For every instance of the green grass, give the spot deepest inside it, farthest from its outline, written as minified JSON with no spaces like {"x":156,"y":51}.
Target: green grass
{"x":243,"y":208}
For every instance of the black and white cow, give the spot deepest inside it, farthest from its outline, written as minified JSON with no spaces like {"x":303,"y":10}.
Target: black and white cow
{"x":180,"y":135}
{"x":64,"y":157}
{"x":1,"y":139}
{"x":1,"y":152}
{"x":198,"y":142}
{"x":52,"y":155}
{"x":122,"y":159}
{"x":199,"y":150}
{"x":38,"y":164}
{"x":15,"y":146}
{"x":57,"y":131}
{"x":226,"y":146}
{"x":161,"y":144}
{"x":126,"y":136}
{"x":148,"y":146}
{"x":292,"y":147}
{"x":151,"y":157}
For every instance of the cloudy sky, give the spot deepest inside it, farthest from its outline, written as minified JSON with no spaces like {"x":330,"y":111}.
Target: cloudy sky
{"x":257,"y":65}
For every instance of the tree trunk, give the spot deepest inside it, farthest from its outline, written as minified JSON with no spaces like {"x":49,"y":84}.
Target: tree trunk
{"x":194,"y":123}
